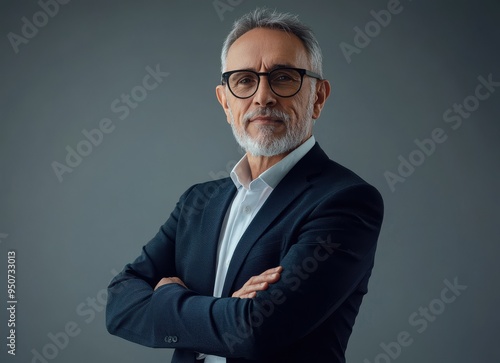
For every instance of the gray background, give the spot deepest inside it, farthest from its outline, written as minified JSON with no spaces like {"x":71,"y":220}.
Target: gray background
{"x":441,"y":223}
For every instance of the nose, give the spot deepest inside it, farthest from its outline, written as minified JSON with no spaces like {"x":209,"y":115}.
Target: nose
{"x":264,"y":96}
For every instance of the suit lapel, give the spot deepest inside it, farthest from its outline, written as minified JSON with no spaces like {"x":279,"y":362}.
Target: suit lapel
{"x":290,"y":187}
{"x":213,"y":217}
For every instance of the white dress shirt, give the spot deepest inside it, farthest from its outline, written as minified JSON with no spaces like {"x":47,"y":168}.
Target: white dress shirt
{"x":248,"y":200}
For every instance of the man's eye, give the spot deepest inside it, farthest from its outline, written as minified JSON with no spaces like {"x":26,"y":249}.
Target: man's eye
{"x":245,"y":80}
{"x":283,"y":77}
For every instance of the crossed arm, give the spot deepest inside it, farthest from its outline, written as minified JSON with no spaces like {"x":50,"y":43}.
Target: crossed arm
{"x":249,"y":290}
{"x":145,"y":310}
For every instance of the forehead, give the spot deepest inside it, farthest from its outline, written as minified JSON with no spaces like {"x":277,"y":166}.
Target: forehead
{"x":261,"y":49}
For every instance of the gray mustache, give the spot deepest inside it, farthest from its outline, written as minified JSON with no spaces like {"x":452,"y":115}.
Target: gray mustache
{"x":267,"y":112}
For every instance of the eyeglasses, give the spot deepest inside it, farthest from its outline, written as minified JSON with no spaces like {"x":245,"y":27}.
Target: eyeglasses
{"x":284,"y":82}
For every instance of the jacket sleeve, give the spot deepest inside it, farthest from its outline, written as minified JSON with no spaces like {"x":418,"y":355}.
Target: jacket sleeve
{"x":333,"y":253}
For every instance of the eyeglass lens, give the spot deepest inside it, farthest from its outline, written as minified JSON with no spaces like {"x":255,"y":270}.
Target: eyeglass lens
{"x":284,"y":82}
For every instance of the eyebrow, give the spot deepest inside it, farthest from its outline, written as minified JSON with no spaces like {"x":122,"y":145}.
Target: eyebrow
{"x":272,"y":68}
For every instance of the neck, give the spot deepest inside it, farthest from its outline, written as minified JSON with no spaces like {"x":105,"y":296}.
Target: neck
{"x":259,"y":164}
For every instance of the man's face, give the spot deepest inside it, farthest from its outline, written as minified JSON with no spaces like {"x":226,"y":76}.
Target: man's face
{"x":266,"y":124}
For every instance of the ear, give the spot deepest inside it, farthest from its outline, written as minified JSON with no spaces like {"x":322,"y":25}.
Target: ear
{"x":220,"y":91}
{"x":322,"y":92}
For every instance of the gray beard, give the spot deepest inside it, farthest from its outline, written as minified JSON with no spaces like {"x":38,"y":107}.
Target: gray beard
{"x":267,"y":144}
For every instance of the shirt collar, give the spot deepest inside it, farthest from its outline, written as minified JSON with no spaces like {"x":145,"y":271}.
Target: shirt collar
{"x":241,"y":174}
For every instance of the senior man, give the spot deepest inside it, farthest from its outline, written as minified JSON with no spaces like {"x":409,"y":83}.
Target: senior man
{"x":271,"y":264}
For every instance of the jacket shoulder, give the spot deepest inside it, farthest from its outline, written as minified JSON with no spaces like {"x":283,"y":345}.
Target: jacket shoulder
{"x":322,"y":170}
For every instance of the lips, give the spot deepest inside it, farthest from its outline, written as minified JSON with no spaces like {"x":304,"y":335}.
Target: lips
{"x":265,"y":120}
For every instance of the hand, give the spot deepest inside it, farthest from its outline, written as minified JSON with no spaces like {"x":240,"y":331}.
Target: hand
{"x":170,"y":280}
{"x":258,"y":283}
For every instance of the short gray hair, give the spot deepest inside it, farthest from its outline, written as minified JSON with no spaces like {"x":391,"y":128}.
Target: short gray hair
{"x":265,"y":18}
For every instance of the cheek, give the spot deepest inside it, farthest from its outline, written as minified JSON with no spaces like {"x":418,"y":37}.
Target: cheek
{"x":238,"y":113}
{"x":295,"y":112}
{"x":300,"y":108}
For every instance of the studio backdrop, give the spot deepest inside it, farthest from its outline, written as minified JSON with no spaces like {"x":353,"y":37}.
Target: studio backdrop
{"x":108,"y":114}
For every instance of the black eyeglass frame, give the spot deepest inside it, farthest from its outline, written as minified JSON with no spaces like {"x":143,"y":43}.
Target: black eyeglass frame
{"x":303,"y":72}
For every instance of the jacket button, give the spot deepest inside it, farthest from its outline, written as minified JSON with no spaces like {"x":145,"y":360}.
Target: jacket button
{"x":171,"y":339}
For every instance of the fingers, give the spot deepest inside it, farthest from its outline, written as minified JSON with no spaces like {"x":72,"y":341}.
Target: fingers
{"x":250,"y":290}
{"x":267,"y":277}
{"x":273,"y":270}
{"x":176,"y":280}
{"x":259,"y":283}
{"x":169,"y":280}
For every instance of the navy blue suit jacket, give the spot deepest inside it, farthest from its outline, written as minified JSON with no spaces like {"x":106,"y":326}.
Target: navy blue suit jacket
{"x":321,"y":223}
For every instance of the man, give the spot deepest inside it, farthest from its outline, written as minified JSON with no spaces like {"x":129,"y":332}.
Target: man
{"x":271,"y":264}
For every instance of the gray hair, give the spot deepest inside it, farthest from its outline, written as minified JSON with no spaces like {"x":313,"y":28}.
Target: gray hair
{"x":264,"y":18}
